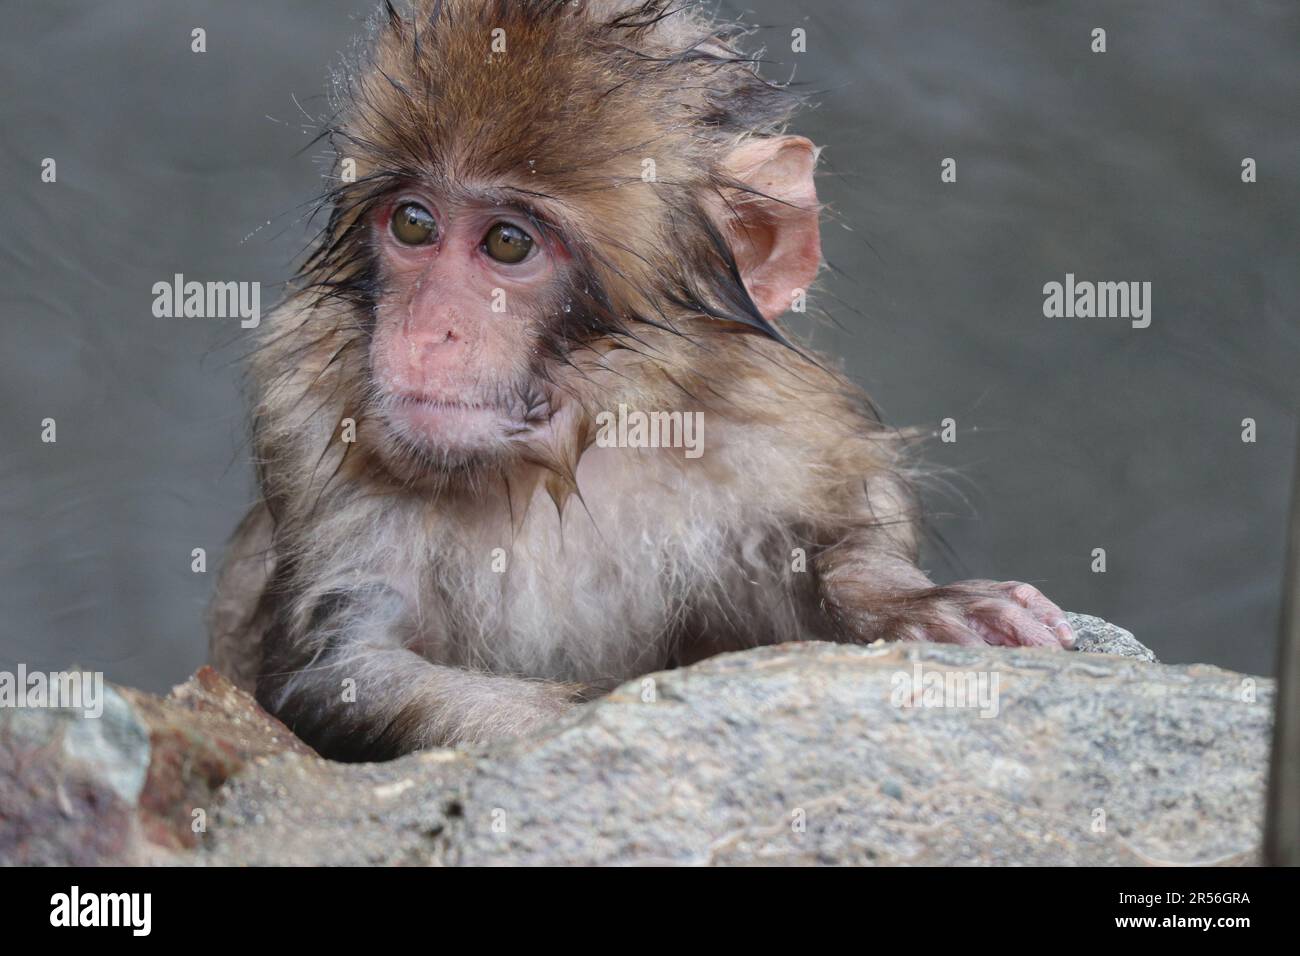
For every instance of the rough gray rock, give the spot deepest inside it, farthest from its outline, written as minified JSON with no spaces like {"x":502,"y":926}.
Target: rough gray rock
{"x":799,"y":754}
{"x":123,"y":788}
{"x":68,"y":785}
{"x":1095,"y":636}
{"x":802,"y":753}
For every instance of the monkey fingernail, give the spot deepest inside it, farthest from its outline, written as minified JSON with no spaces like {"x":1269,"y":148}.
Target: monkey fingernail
{"x":1065,"y":634}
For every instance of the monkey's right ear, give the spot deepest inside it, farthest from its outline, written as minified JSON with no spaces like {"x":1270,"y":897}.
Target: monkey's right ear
{"x":774,"y":225}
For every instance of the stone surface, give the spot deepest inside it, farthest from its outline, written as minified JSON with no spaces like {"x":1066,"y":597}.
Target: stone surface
{"x":797,"y":754}
{"x":1095,"y":636}
{"x":123,"y":788}
{"x":68,"y":785}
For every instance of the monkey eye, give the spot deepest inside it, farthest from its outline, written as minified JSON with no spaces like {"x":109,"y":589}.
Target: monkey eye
{"x":414,"y":225}
{"x":507,"y":243}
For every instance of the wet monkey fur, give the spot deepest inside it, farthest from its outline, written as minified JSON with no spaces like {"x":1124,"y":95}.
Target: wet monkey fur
{"x":443,"y":552}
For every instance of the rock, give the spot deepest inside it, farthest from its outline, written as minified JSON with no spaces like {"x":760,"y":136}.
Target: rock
{"x":68,"y":785}
{"x":1095,"y":636}
{"x":801,"y":753}
{"x":123,"y":788}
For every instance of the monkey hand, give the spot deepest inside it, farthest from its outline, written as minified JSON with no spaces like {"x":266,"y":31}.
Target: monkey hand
{"x":478,"y":709}
{"x":997,"y":613}
{"x":1005,"y":613}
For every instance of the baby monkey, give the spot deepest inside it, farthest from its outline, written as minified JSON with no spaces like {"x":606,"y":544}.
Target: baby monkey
{"x":545,"y":214}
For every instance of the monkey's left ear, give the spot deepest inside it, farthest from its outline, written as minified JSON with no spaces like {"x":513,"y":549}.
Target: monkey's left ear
{"x":774,"y":229}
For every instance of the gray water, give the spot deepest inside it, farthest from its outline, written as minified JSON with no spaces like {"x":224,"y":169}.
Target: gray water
{"x":1073,"y":434}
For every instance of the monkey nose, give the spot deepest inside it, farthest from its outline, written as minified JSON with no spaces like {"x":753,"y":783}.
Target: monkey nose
{"x":421,"y":347}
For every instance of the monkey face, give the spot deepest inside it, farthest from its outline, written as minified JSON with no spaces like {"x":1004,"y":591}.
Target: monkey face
{"x":497,"y":254}
{"x":471,"y":290}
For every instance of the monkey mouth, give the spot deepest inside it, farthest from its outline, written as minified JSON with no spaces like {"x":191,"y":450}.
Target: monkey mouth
{"x":408,"y":399}
{"x":426,"y":419}
{"x":436,"y":422}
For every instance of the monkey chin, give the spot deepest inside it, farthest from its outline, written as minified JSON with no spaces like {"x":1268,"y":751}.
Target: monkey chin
{"x":448,"y":444}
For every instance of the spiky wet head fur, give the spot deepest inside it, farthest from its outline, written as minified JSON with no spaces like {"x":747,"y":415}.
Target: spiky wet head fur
{"x":580,"y":101}
{"x":565,"y":116}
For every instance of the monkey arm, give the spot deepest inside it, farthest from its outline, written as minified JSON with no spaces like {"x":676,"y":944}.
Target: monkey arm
{"x":351,"y":689}
{"x":237,"y":617}
{"x":872,"y":593}
{"x":871,"y":588}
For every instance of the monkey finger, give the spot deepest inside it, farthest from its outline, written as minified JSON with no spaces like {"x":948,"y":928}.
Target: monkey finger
{"x":1012,"y":624}
{"x":1044,"y":609}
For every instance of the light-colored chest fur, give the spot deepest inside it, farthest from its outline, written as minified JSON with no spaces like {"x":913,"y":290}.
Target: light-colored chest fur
{"x":653,"y":564}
